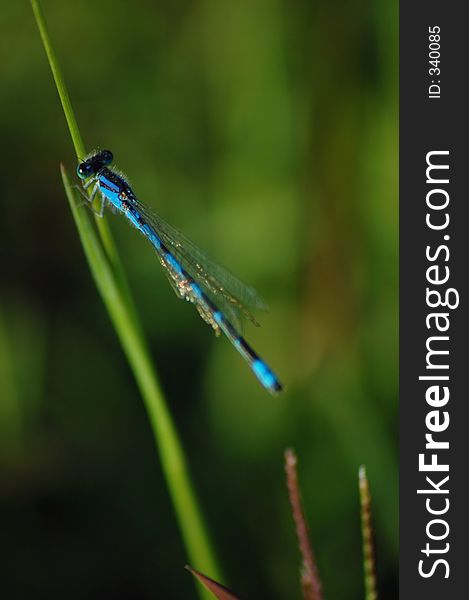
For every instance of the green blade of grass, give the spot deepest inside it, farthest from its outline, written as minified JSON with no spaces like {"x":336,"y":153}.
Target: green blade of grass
{"x":169,"y":448}
{"x":110,"y":280}
{"x":75,"y":134}
{"x":59,"y":82}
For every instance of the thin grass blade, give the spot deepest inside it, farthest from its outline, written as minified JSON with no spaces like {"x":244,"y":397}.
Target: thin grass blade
{"x":369,"y":563}
{"x":310,"y":582}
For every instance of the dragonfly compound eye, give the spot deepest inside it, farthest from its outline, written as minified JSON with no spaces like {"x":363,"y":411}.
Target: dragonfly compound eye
{"x":106,"y":157}
{"x":83,"y":170}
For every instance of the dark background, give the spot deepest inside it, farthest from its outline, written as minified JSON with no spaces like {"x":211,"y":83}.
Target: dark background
{"x":267,"y":132}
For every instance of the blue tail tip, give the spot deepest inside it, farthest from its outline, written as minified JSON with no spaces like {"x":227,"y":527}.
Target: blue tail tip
{"x":267,"y":377}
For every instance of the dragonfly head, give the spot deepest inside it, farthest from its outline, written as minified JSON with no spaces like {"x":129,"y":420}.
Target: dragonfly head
{"x":94,"y":163}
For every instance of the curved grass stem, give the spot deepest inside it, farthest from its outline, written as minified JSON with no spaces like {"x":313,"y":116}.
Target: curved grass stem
{"x":111,"y":282}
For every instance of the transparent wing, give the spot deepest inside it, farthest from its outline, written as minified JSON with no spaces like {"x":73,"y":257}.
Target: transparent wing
{"x":233,"y":296}
{"x":232,"y":313}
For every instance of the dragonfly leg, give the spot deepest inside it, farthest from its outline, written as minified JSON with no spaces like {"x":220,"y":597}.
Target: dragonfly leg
{"x":88,"y":199}
{"x":98,"y":212}
{"x":84,"y":186}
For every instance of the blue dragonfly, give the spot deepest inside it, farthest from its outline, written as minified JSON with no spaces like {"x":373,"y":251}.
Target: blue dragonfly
{"x":220,"y":298}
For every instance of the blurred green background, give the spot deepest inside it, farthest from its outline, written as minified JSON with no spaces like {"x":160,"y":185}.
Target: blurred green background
{"x":267,"y":132}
